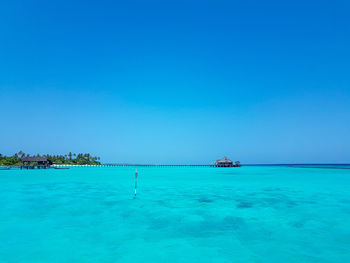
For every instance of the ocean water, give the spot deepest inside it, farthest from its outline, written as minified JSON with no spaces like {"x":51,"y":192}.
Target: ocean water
{"x":247,"y":214}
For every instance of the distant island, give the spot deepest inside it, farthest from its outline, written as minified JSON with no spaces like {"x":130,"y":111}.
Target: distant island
{"x":70,"y":158}
{"x":44,"y":161}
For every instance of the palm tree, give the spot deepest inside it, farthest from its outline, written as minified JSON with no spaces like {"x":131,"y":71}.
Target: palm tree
{"x":70,"y":156}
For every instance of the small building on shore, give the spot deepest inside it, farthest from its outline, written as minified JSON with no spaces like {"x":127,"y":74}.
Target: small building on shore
{"x":35,"y":161}
{"x":225,"y":162}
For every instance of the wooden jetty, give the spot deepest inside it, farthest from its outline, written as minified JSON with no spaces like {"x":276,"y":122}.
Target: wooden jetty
{"x":157,"y":165}
{"x":224,"y":162}
{"x":66,"y":166}
{"x":219,"y":163}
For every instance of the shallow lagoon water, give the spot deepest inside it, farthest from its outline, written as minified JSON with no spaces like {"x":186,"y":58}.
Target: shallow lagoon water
{"x":247,"y":214}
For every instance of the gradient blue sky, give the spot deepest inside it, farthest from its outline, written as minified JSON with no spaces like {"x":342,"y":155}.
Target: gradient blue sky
{"x":177,"y":81}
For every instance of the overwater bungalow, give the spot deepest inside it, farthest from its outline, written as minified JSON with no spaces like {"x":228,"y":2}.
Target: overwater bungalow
{"x":32,"y":162}
{"x":225,"y":162}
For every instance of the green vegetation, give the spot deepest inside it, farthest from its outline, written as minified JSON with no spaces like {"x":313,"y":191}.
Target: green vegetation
{"x":70,"y":158}
{"x":10,"y":160}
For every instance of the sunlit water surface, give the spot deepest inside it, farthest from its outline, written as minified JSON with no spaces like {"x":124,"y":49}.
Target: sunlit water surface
{"x":248,"y":214}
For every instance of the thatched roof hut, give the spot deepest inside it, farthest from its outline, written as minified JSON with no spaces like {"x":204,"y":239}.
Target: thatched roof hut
{"x":224,"y":162}
{"x":41,"y":160}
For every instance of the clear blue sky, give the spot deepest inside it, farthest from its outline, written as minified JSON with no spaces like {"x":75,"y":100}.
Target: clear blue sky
{"x":177,"y":81}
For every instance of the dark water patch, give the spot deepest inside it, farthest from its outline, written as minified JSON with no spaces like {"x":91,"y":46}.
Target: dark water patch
{"x":299,"y":224}
{"x":310,"y":202}
{"x":211,"y":226}
{"x":161,"y":223}
{"x":277,"y":202}
{"x":110,"y":203}
{"x":269,"y":199}
{"x":271,"y":189}
{"x":217,"y":197}
{"x":172,"y":221}
{"x":344,"y":201}
{"x":233,"y":222}
{"x":254,"y":194}
{"x":244,"y":204}
{"x":205,"y":200}
{"x":190,"y":224}
{"x":126,"y":214}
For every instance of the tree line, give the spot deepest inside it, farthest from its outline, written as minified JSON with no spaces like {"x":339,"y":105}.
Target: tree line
{"x":70,"y":158}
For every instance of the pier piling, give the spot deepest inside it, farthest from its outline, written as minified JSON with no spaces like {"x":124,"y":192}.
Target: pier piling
{"x":135,"y":183}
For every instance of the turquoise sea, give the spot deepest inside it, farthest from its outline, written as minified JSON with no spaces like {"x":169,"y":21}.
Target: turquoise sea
{"x":184,"y":214}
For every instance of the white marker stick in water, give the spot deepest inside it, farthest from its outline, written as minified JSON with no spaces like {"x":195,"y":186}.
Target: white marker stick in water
{"x":135,"y":182}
